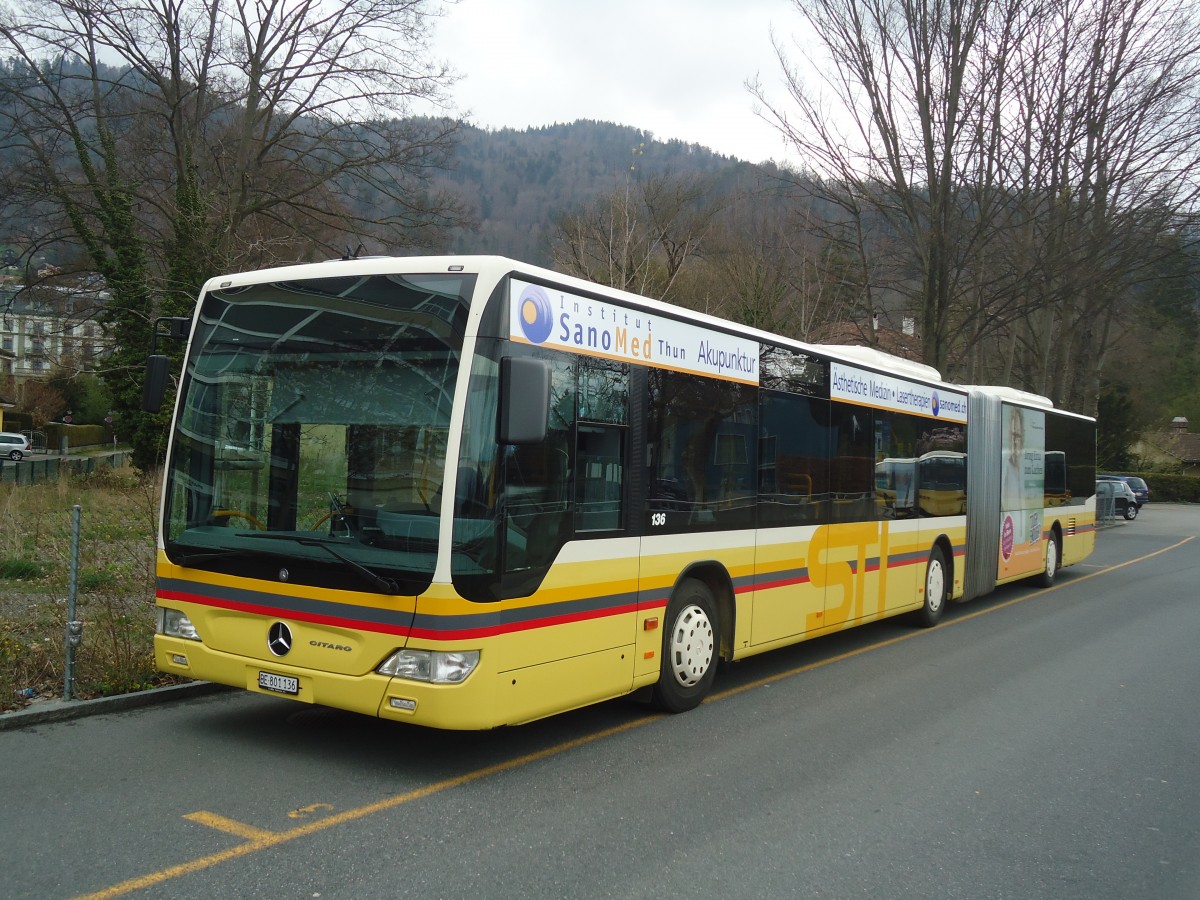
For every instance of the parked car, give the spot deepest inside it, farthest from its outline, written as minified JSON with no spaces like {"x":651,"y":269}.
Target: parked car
{"x":1140,"y":489}
{"x":1117,"y":492}
{"x":14,"y":445}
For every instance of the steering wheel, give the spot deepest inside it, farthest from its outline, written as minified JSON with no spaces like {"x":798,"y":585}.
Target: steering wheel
{"x":327,"y":516}
{"x":238,"y":514}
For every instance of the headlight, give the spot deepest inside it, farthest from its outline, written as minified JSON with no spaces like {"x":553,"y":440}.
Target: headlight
{"x":435,"y":666}
{"x":173,"y":623}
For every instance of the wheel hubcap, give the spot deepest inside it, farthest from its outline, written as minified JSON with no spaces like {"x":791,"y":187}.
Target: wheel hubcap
{"x":691,"y":646}
{"x":935,"y":586}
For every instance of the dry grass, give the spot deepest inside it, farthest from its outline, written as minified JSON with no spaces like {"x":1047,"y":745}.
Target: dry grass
{"x":115,"y":588}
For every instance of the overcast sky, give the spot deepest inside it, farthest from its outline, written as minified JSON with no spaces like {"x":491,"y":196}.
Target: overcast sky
{"x":677,"y":68}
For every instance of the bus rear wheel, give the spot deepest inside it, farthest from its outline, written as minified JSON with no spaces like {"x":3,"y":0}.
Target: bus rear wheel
{"x":689,"y":648}
{"x":936,"y":587}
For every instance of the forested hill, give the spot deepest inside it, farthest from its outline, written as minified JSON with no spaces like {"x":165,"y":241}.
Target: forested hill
{"x":517,"y":183}
{"x":513,"y":184}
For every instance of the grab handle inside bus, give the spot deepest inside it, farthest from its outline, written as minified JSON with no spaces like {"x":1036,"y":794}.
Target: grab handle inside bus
{"x":524,"y":400}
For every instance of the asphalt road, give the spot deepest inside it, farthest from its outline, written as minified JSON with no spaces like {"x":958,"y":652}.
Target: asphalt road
{"x":1035,"y":744}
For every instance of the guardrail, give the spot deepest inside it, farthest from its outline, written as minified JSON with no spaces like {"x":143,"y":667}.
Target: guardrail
{"x":51,"y":468}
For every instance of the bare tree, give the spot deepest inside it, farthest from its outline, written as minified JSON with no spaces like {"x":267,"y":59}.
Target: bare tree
{"x":911,"y":80}
{"x":639,"y":237}
{"x":1109,"y":133}
{"x":1022,"y":157}
{"x":174,"y":139}
{"x":777,"y":271}
{"x":44,"y":402}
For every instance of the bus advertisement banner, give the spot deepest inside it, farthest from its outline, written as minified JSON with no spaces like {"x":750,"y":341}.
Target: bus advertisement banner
{"x":549,"y":317}
{"x":865,"y":388}
{"x":1022,"y":491}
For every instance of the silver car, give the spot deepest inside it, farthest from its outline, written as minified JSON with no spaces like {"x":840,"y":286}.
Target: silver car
{"x":13,"y":445}
{"x":1125,"y":502}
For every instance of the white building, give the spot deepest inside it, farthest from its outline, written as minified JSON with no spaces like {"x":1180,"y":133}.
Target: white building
{"x":46,"y":328}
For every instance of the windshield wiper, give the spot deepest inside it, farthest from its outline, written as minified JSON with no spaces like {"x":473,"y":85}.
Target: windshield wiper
{"x":385,"y":585}
{"x":187,"y":557}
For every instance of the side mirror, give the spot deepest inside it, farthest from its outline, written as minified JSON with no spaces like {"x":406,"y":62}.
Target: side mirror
{"x":158,"y":370}
{"x":158,"y":367}
{"x":524,"y":400}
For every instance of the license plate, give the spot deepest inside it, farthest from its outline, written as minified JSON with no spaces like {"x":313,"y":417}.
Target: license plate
{"x":280,"y":684}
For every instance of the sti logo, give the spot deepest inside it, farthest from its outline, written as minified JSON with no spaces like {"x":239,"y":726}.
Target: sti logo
{"x":934,"y":404}
{"x":536,"y":317}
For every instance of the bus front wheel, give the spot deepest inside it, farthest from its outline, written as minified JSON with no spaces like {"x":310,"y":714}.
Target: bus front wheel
{"x":1053,"y":559}
{"x":936,"y":587}
{"x":689,"y":648}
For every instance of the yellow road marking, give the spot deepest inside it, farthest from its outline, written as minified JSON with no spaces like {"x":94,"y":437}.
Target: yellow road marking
{"x":239,"y":829}
{"x":305,"y":811}
{"x":258,"y":839}
{"x":263,"y":840}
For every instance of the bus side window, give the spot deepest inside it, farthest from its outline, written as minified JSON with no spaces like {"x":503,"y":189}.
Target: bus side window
{"x":602,"y":416}
{"x":852,"y":465}
{"x":702,"y":449}
{"x":599,"y":480}
{"x":793,"y":466}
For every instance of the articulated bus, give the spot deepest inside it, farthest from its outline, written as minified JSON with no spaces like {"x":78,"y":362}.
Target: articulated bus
{"x":466,"y":492}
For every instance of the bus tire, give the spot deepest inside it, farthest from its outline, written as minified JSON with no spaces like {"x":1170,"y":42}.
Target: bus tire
{"x":1053,"y":559}
{"x":936,"y":589}
{"x":689,"y":648}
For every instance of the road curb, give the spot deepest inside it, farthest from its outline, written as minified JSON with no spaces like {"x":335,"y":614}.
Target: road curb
{"x":64,"y":710}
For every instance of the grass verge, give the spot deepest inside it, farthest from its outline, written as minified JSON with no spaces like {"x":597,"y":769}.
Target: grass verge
{"x":114,"y":591}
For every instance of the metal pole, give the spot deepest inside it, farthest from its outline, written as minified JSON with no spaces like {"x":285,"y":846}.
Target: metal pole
{"x":74,"y":636}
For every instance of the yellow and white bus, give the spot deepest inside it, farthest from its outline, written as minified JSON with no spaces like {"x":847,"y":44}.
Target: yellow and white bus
{"x":466,"y":492}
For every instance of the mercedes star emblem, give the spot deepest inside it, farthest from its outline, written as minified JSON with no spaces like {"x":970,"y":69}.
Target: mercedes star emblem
{"x":279,"y":639}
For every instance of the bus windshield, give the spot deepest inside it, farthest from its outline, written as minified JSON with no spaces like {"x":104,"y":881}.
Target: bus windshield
{"x":312,"y":429}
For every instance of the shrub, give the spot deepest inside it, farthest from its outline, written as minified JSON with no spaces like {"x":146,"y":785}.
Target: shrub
{"x":1174,"y":488}
{"x":19,"y":569}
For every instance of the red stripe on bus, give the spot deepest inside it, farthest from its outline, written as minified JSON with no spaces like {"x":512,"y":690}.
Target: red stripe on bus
{"x":768,"y":585}
{"x":278,"y":613}
{"x":427,"y":633}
